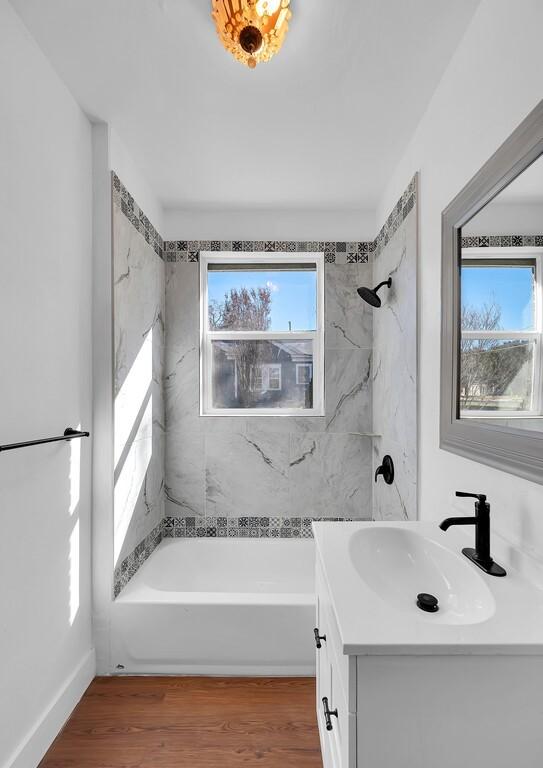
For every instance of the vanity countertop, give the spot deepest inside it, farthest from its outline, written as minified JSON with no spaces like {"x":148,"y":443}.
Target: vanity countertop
{"x":374,"y":571}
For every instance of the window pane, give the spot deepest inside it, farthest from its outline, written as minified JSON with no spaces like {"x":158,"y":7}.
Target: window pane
{"x":262,"y":298}
{"x":498,"y":297}
{"x":304,"y":372}
{"x":260,"y":374}
{"x":496,"y":374}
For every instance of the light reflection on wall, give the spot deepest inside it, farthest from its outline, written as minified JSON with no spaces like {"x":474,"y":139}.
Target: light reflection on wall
{"x":133,"y":440}
{"x":131,"y":396}
{"x":131,"y":477}
{"x":74,"y":572}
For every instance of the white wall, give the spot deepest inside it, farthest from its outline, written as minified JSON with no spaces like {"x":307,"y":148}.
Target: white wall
{"x":46,"y":655}
{"x":492,"y":82}
{"x":507,"y":219}
{"x":108,"y":154}
{"x":262,"y":224}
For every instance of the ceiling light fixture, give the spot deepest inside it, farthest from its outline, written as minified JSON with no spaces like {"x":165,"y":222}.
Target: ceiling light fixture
{"x":252,"y":30}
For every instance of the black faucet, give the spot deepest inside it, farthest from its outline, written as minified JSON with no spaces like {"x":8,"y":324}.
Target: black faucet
{"x":481,"y":554}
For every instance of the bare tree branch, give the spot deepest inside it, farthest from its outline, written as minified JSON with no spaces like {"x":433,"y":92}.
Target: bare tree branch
{"x":250,"y":310}
{"x":489,"y":367}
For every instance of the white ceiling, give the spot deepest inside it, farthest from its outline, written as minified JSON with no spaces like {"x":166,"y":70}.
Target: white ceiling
{"x":319,"y":127}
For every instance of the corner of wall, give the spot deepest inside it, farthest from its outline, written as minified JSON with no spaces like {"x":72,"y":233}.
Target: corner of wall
{"x":44,"y":731}
{"x":102,"y":476}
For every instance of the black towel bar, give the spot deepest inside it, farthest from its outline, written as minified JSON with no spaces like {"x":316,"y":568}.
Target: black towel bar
{"x":69,"y":434}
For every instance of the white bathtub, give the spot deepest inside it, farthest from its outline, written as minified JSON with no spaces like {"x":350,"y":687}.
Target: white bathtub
{"x":218,"y":606}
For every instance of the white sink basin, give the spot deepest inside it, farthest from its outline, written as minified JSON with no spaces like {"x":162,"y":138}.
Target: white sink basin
{"x":397,"y":564}
{"x":373,"y":572}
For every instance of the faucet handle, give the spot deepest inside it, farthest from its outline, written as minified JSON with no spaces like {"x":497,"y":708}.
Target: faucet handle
{"x":482,"y":507}
{"x":481,"y":497}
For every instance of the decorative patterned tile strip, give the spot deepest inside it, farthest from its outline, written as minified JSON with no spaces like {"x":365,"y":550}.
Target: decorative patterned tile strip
{"x":502,"y":241}
{"x":128,"y":206}
{"x":397,"y":216}
{"x":136,"y":558}
{"x":242,"y":527}
{"x":334,"y":252}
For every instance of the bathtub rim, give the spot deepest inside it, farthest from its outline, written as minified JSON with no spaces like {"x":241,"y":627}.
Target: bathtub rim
{"x":139,"y":591}
{"x":143,"y":594}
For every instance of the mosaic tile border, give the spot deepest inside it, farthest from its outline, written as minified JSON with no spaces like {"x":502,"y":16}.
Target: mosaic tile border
{"x":335,"y":252}
{"x":241,"y":527}
{"x":128,"y":206}
{"x":397,"y":216}
{"x":502,"y":241}
{"x":132,"y":562}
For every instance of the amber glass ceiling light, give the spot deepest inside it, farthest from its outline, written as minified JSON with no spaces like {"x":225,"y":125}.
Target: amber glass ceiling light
{"x":252,"y":30}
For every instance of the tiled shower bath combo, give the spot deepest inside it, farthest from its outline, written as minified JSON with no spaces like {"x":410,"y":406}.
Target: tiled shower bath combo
{"x":257,"y":476}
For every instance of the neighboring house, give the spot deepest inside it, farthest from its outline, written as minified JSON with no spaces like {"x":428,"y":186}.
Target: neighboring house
{"x":263,"y":373}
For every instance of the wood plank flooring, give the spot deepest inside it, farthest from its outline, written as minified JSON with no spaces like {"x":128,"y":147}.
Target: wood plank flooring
{"x":202,"y":722}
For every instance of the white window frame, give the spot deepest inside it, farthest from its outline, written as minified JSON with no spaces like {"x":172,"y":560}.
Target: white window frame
{"x":509,"y":254}
{"x":303,"y":365}
{"x":207,"y":336}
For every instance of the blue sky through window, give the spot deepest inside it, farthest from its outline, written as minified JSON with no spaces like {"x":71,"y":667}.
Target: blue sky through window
{"x":511,"y":288}
{"x":293,"y":294}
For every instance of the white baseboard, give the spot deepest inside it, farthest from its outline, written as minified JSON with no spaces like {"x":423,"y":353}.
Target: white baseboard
{"x":43,"y":732}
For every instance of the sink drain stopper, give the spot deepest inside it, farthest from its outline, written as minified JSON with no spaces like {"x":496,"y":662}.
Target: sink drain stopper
{"x":427,"y":602}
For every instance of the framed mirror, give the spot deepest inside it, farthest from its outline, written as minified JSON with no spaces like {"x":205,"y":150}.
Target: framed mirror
{"x":492,"y":310}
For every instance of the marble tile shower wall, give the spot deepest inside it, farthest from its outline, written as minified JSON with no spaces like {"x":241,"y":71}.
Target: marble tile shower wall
{"x":395,"y":364}
{"x":138,"y":327}
{"x":261,"y":476}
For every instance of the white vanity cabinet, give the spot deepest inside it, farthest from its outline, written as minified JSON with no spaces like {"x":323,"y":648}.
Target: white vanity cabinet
{"x":419,"y":704}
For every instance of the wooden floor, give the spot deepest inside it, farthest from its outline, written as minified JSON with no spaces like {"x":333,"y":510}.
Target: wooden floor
{"x":162,"y":722}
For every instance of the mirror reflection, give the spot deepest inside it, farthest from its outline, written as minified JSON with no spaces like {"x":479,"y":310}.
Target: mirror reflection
{"x":501,"y":307}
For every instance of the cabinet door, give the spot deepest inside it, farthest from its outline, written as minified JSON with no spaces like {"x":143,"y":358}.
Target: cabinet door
{"x":338,"y":745}
{"x":324,"y":681}
{"x":323,"y":664}
{"x":344,"y":724}
{"x":345,"y":665}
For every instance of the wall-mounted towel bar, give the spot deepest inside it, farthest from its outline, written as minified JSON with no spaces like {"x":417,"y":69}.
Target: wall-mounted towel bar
{"x":69,"y":434}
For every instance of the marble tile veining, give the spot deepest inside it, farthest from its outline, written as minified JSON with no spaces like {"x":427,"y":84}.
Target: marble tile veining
{"x":348,"y":321}
{"x":330,"y":474}
{"x":245,"y":472}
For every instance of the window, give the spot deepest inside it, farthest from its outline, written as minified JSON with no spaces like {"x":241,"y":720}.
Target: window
{"x":501,"y":333}
{"x":267,"y":376}
{"x":262,"y":346}
{"x":304,"y":372}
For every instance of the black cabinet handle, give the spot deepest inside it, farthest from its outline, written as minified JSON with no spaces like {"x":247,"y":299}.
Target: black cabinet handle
{"x":318,"y":637}
{"x":328,"y":713}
